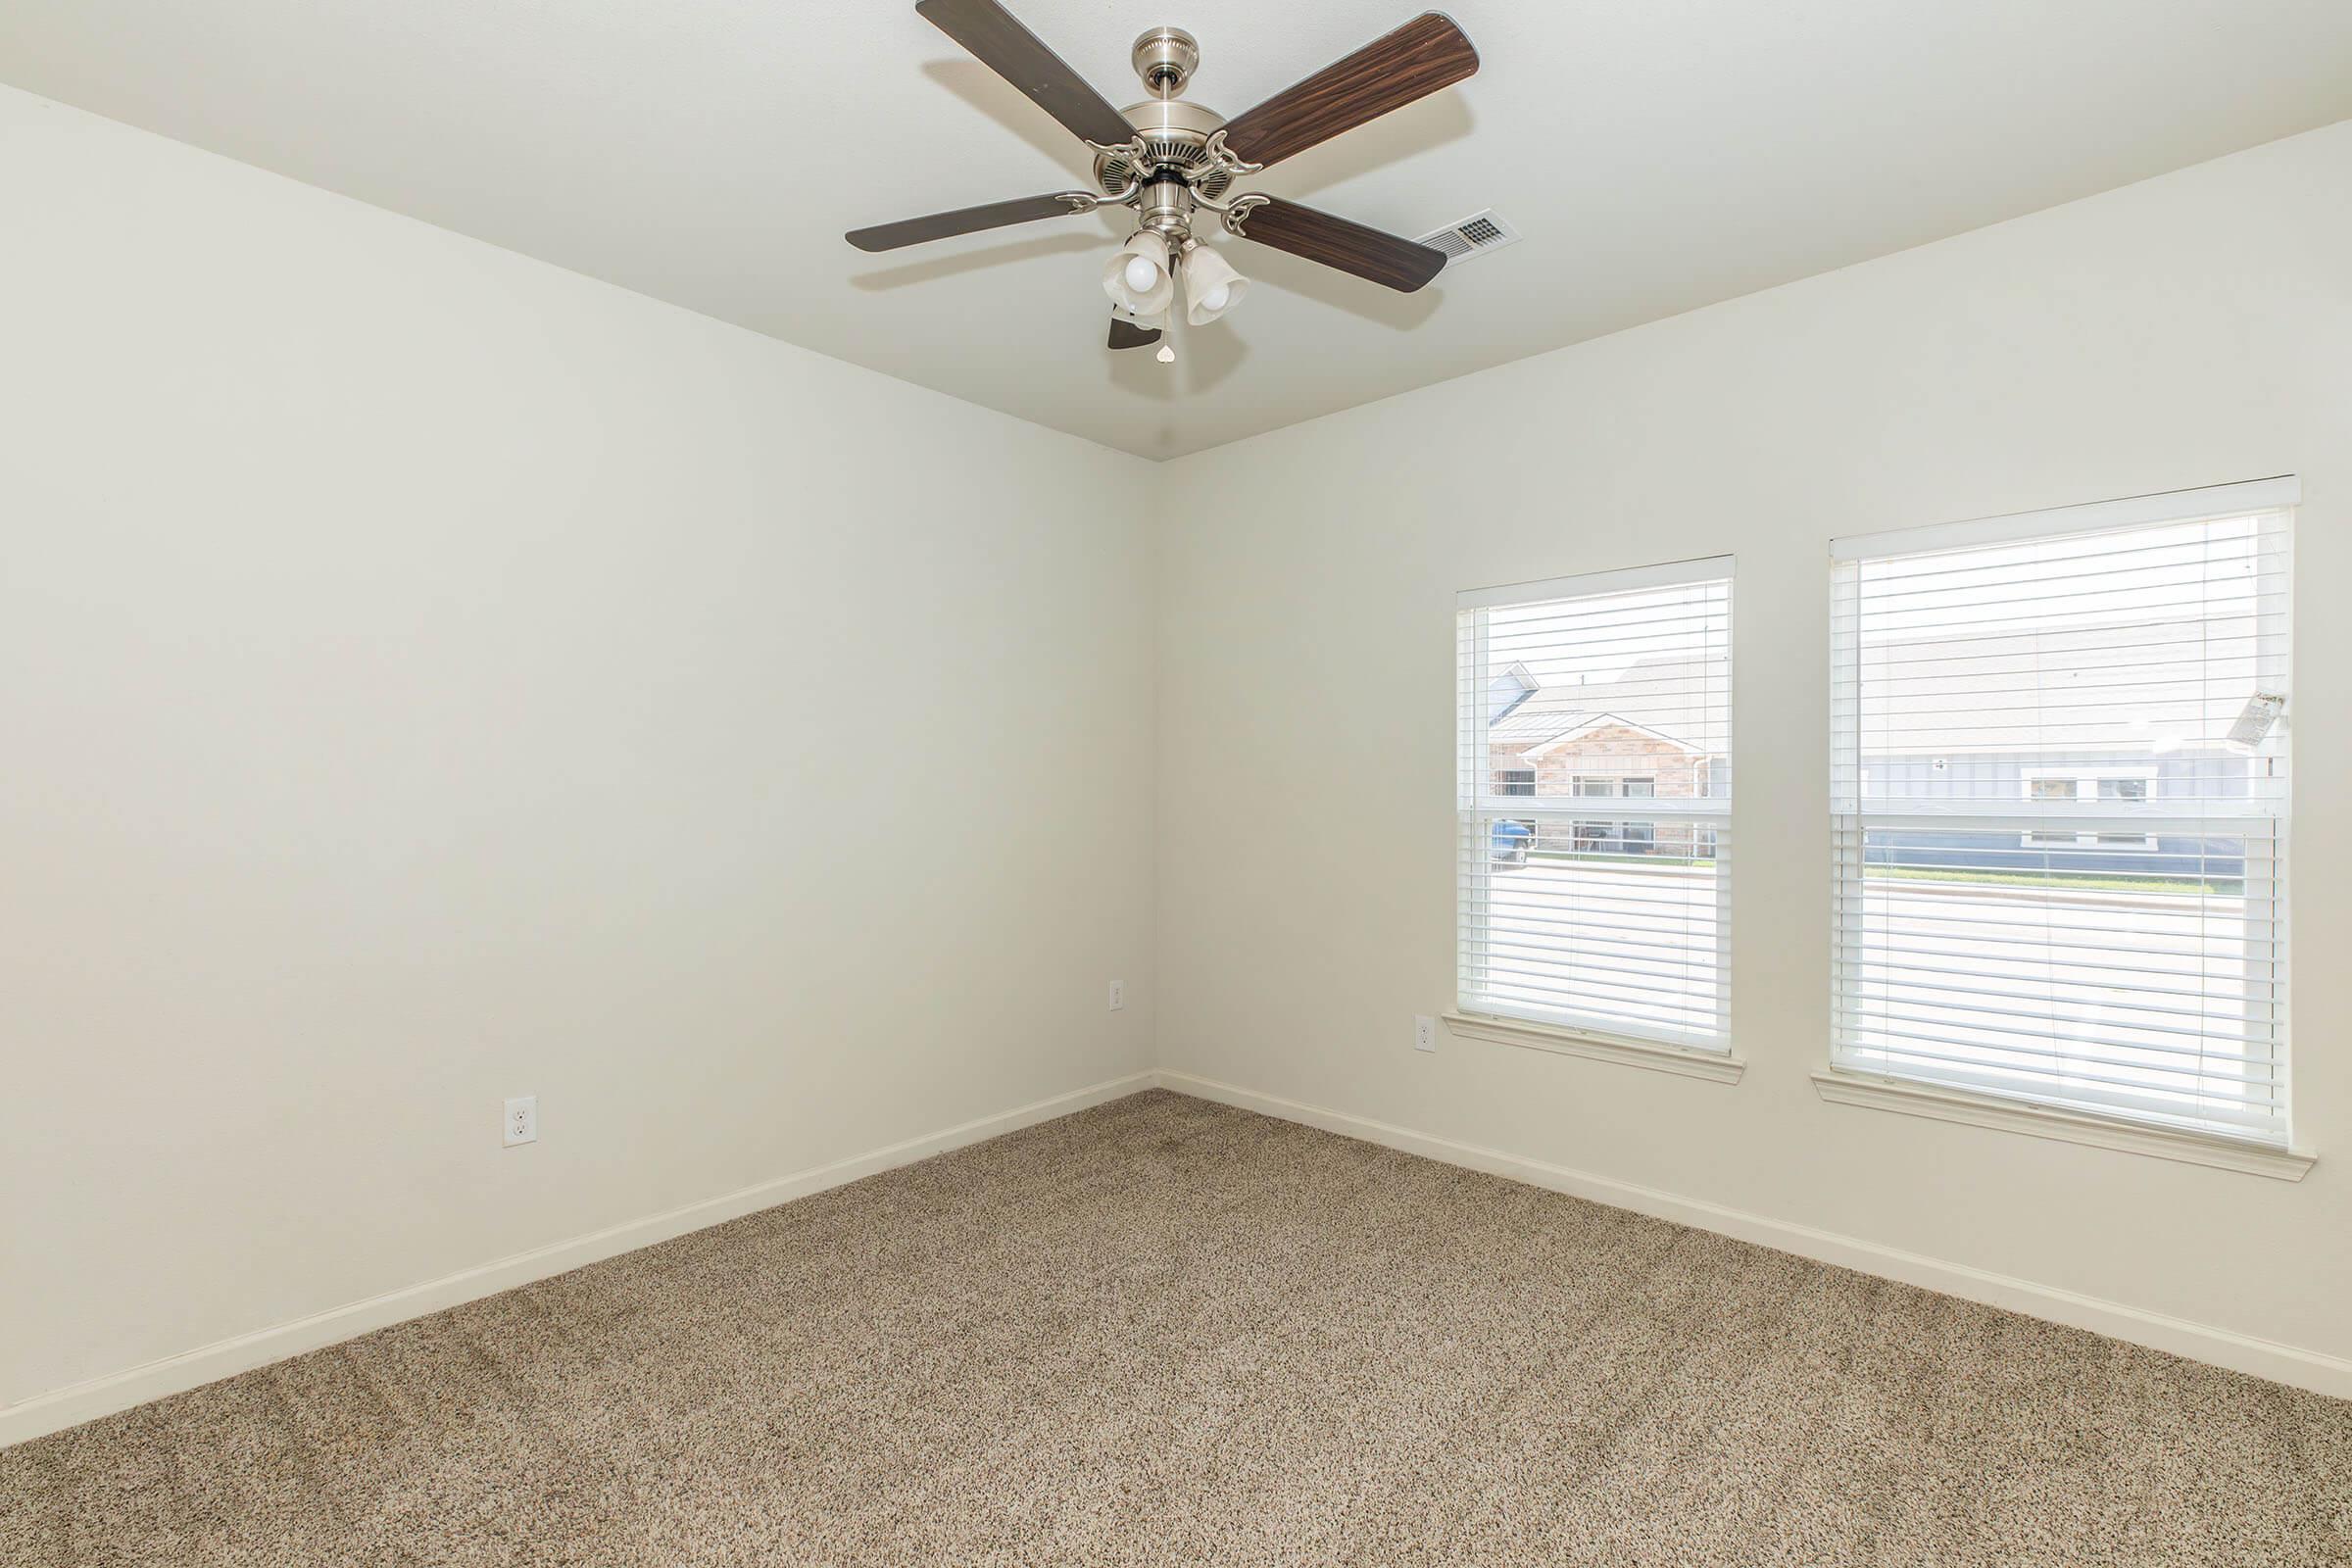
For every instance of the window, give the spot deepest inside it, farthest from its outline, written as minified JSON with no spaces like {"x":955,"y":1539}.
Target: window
{"x":1610,"y":788}
{"x":1596,"y":804}
{"x":2061,"y":810}
{"x":1608,"y":838}
{"x":2135,"y":788}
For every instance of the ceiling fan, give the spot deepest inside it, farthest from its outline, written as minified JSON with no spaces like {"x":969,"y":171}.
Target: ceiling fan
{"x":1172,"y":160}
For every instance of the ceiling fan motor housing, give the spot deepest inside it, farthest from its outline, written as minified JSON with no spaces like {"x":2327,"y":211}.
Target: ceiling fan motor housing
{"x":1175,"y":138}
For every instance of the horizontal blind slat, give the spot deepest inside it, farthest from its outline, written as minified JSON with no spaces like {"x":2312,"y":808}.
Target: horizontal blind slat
{"x":1594,"y":894}
{"x":2060,"y":807}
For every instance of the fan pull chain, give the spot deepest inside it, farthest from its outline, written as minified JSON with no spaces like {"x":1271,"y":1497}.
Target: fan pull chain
{"x":1167,"y":319}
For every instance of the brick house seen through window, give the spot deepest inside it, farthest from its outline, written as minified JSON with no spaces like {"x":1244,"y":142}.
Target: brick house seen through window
{"x":1551,"y":743}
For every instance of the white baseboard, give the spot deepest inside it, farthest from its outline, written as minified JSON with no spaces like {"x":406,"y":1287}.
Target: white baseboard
{"x":2198,"y":1342}
{"x":85,"y":1402}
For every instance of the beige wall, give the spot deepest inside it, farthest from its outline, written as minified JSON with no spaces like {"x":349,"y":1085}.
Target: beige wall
{"x":431,"y":676}
{"x":2188,"y":331}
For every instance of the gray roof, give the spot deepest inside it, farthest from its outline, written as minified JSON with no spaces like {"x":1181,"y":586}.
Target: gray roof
{"x":1666,"y":695}
{"x":1539,"y":718}
{"x":2118,"y":686}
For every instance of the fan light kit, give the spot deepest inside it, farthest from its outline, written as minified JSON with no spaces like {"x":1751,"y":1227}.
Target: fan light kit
{"x":1171,"y":160}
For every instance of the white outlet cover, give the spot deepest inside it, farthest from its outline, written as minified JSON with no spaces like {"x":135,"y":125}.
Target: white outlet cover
{"x":521,"y":1123}
{"x":1119,"y":995}
{"x":1425,"y":1033}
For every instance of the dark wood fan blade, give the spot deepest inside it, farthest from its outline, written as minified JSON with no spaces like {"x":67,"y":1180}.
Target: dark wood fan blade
{"x":1125,"y":334}
{"x":1424,"y":55}
{"x":1352,"y":247}
{"x":997,"y":41}
{"x":962,"y":221}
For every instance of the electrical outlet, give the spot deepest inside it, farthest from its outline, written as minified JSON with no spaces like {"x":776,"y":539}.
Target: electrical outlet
{"x":1119,"y":995}
{"x":1425,"y":1034}
{"x":523,"y":1120}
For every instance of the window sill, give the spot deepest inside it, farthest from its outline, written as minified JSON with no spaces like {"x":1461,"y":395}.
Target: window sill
{"x":2072,"y":1127}
{"x":1715,"y":1066}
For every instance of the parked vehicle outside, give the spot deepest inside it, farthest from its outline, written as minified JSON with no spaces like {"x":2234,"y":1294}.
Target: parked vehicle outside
{"x":1511,"y":842}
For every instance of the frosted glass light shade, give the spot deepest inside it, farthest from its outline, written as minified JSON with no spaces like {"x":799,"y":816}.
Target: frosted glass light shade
{"x":1211,"y":286}
{"x":1137,"y":277}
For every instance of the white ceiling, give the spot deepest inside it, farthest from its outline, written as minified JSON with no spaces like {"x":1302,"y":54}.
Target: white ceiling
{"x":1657,"y":154}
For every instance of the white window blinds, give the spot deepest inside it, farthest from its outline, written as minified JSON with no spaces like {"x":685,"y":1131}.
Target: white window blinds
{"x":2060,"y":776}
{"x":1596,"y":793}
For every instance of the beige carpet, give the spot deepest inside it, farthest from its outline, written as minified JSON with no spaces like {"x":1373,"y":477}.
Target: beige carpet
{"x":1167,"y":1331}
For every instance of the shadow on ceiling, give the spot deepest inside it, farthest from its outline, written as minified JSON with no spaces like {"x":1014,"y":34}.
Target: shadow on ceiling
{"x":932,"y":269}
{"x":1205,"y":357}
{"x":1324,"y":285}
{"x":992,"y":95}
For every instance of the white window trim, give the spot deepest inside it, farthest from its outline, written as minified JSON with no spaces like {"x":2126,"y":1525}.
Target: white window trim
{"x":1938,"y":1103}
{"x":1715,"y":1066}
{"x":2172,"y":505}
{"x":1562,"y":1034}
{"x":1669,"y":575}
{"x":1838,"y":1085}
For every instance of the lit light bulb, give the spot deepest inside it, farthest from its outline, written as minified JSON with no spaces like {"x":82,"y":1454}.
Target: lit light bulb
{"x":1210,"y":284}
{"x":1138,"y":276}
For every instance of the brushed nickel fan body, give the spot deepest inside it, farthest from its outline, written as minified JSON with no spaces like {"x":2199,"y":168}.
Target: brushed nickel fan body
{"x":1171,"y":159}
{"x":1174,"y":164}
{"x":1172,"y":137}
{"x":1165,"y":57}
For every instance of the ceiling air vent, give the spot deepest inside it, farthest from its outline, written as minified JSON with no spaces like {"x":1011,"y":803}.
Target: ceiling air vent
{"x":1474,"y":236}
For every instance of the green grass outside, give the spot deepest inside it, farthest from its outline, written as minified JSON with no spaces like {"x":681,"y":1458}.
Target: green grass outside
{"x":1926,"y":873}
{"x":2070,"y":884}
